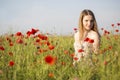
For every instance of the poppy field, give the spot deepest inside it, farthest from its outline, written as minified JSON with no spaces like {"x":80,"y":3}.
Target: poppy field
{"x":43,"y":56}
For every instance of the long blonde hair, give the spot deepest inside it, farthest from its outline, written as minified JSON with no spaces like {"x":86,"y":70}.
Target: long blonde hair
{"x":81,"y":28}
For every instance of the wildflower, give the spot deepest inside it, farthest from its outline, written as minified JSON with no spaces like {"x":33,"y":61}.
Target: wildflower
{"x":116,"y":30}
{"x":106,"y":32}
{"x":11,"y":44}
{"x":75,"y":58}
{"x":105,"y":62}
{"x":72,"y":55}
{"x":18,"y":34}
{"x":91,"y":41}
{"x":66,"y":51}
{"x":48,"y":43}
{"x":10,"y":53}
{"x":19,"y":41}
{"x":51,"y":47}
{"x":51,"y":75}
{"x":80,"y":50}
{"x":28,"y":33}
{"x":43,"y":37}
{"x":37,"y":40}
{"x":118,"y":24}
{"x":63,"y":63}
{"x":11,"y":63}
{"x":75,"y":29}
{"x":49,"y":59}
{"x":110,"y":47}
{"x":33,"y":31}
{"x":86,"y":39}
{"x":2,"y":48}
{"x":112,"y":25}
{"x":42,"y":50}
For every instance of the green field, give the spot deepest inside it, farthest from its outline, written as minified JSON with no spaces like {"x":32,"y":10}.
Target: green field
{"x":50,"y":57}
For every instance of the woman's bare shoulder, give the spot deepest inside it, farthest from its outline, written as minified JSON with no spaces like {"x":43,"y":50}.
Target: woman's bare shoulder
{"x":94,"y":34}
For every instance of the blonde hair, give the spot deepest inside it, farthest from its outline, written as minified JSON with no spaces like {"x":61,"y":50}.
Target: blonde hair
{"x":81,"y":28}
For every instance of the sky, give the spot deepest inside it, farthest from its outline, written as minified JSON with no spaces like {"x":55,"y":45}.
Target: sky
{"x":53,"y":16}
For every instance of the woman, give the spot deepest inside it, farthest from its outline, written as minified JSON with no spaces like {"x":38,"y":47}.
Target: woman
{"x":87,"y":38}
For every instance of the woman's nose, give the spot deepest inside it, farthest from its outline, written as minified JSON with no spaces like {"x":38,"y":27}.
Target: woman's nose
{"x":89,"y":23}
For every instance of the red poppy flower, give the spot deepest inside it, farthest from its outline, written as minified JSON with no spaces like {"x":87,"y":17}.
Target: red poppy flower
{"x":75,"y":58}
{"x":48,"y":43}
{"x":42,"y":50}
{"x":112,"y":25}
{"x":66,"y":51}
{"x":11,"y":43}
{"x":75,"y":29}
{"x":72,"y":55}
{"x":10,"y":53}
{"x":86,"y":39}
{"x":63,"y":63}
{"x":105,"y":62}
{"x":43,"y":37}
{"x":37,"y":40}
{"x":49,"y":59}
{"x":106,"y":32}
{"x":28,"y":33}
{"x":110,"y":47}
{"x":51,"y":47}
{"x":118,"y":24}
{"x":20,"y":41}
{"x":2,"y":48}
{"x":11,"y":63}
{"x":33,"y":31}
{"x":51,"y":75}
{"x":80,"y":50}
{"x":91,"y":41}
{"x":117,"y":30}
{"x":18,"y":34}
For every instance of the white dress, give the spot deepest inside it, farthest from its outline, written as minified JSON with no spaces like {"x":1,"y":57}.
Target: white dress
{"x":88,"y":48}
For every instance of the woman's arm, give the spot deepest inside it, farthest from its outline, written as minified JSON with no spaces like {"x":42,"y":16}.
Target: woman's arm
{"x":96,"y":43}
{"x":77,"y":45}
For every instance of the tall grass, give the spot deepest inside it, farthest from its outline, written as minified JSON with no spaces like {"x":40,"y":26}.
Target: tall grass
{"x":22,"y":57}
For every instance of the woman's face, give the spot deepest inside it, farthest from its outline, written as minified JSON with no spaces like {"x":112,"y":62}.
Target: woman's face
{"x":87,"y":22}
